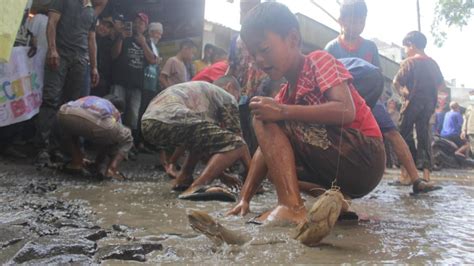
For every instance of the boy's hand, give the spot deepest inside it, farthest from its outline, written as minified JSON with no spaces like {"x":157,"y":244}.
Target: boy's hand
{"x":266,"y":109}
{"x":241,"y":208}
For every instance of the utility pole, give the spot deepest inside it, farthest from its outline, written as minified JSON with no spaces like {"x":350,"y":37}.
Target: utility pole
{"x":418,"y":14}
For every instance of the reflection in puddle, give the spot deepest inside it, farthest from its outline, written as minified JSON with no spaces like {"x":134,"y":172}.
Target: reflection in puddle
{"x":396,"y":227}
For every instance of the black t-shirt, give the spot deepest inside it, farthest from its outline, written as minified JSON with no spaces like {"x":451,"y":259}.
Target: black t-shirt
{"x":130,"y":65}
{"x":73,"y":27}
{"x":104,"y":57}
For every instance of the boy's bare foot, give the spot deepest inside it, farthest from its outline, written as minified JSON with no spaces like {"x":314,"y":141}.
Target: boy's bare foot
{"x":182,"y":183}
{"x":114,"y":174}
{"x":171,"y":170}
{"x":282,"y":215}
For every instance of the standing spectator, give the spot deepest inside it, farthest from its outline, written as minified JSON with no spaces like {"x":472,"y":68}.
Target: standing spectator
{"x":71,"y":47}
{"x":206,"y":60}
{"x":152,"y":72}
{"x":353,"y":14}
{"x":132,"y":53}
{"x":418,"y":82}
{"x":104,"y":57}
{"x":217,"y":69}
{"x":174,"y":70}
{"x":452,"y":126}
{"x":467,"y":132}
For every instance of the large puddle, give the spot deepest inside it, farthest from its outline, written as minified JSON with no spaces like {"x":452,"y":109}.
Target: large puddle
{"x":395,"y":227}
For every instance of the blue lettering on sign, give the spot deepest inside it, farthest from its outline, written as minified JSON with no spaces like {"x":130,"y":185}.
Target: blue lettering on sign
{"x":5,"y":90}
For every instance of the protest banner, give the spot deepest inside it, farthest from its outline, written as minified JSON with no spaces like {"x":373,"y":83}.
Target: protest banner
{"x":12,"y":14}
{"x":21,"y":84}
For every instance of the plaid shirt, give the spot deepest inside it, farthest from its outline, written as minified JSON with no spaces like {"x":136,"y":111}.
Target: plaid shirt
{"x":320,"y":72}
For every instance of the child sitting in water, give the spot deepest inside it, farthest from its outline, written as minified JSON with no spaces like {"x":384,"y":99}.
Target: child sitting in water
{"x":317,"y":131}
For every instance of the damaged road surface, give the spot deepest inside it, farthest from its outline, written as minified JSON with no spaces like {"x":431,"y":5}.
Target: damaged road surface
{"x":47,"y":217}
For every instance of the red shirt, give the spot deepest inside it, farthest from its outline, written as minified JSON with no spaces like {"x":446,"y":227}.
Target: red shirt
{"x":320,"y":72}
{"x":212,"y":72}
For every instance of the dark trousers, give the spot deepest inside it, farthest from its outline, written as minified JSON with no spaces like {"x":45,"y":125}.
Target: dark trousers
{"x":417,"y":114}
{"x":61,"y":85}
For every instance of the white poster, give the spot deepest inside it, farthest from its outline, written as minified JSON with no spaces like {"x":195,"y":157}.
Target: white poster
{"x":21,"y":84}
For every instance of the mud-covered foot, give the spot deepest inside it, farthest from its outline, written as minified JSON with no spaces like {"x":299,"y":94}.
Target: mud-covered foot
{"x":43,"y":159}
{"x":171,"y":170}
{"x":321,"y":218}
{"x":423,"y":186}
{"x":281,"y":216}
{"x":181,"y":184}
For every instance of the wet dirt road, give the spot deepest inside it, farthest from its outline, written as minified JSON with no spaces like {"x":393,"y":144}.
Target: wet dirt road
{"x":132,"y":219}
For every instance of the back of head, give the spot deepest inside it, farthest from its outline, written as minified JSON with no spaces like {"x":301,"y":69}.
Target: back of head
{"x":269,"y":16}
{"x":224,"y":82}
{"x":208,"y":47}
{"x":186,"y":43}
{"x":415,"y":38}
{"x":116,"y":101}
{"x":353,"y":8}
{"x":454,"y":105}
{"x":218,"y":54}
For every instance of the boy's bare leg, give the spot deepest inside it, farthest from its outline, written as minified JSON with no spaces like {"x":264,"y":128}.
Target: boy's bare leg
{"x":77,"y":156}
{"x":185,"y":176}
{"x":402,"y":151}
{"x":463,"y":150}
{"x":426,"y":174}
{"x":218,"y":163}
{"x":280,"y":161}
{"x":113,"y":165}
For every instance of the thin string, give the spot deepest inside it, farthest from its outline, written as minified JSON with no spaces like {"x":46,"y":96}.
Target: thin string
{"x":334,"y":182}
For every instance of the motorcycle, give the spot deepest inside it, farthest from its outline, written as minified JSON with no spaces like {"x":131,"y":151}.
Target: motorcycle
{"x":444,"y":155}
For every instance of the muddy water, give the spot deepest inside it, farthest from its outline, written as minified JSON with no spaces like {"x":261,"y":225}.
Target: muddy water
{"x":394,"y":228}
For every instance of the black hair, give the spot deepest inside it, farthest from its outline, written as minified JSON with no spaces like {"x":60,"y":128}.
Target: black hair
{"x":208,"y":46}
{"x":353,"y":9}
{"x":217,"y":53}
{"x":224,"y":80}
{"x":415,"y":38}
{"x":186,"y":43}
{"x":116,"y":101}
{"x":269,"y":16}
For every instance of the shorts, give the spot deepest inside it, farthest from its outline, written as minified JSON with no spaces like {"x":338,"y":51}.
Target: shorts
{"x":106,"y":132}
{"x":204,"y":137}
{"x":323,"y":153}
{"x":383,"y":118}
{"x":456,"y":139}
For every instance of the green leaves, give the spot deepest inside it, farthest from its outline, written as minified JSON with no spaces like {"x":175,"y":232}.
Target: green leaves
{"x":452,"y":13}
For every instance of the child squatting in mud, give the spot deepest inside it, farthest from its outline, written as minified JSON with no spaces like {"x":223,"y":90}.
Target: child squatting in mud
{"x":317,"y":132}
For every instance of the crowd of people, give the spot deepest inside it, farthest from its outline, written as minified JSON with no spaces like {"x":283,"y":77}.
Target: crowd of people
{"x":306,"y":122}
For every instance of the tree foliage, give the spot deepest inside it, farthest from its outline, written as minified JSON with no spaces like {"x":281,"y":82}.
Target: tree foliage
{"x":452,"y":13}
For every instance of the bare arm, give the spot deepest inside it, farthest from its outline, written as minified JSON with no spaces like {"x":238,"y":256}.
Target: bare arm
{"x":53,"y":19}
{"x":339,"y":110}
{"x":117,"y":48}
{"x":149,"y":55}
{"x":164,"y":80}
{"x":92,"y":49}
{"x":93,"y":58}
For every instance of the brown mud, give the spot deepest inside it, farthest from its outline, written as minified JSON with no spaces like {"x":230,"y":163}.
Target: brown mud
{"x":49,"y":217}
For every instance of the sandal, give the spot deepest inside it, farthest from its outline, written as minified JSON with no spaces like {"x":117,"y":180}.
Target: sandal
{"x":207,"y":193}
{"x":426,"y":188}
{"x":397,"y":183}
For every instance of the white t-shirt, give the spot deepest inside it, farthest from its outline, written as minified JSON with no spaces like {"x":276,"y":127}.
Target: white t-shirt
{"x":37,"y":27}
